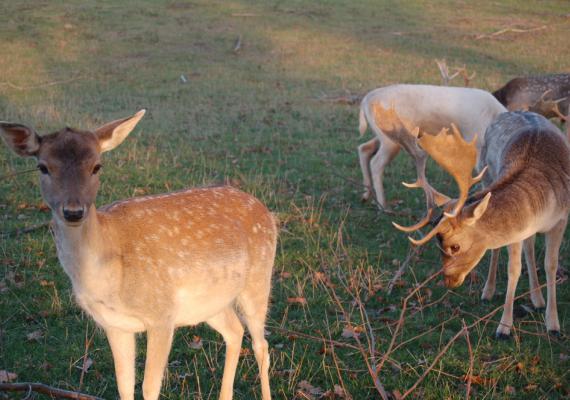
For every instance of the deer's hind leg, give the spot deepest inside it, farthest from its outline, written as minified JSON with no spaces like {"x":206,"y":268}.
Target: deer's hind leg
{"x":384,"y":156}
{"x":365,"y":153}
{"x":230,"y":327}
{"x":553,"y":241}
{"x":254,"y":305}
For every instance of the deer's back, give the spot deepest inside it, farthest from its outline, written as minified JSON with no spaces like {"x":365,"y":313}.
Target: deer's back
{"x":528,"y":146}
{"x":434,"y":107}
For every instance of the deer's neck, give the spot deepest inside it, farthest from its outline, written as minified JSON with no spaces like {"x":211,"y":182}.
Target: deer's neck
{"x":80,"y":249}
{"x":522,"y":203}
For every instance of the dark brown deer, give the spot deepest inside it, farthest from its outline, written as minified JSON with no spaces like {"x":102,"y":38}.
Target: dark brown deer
{"x":547,"y":95}
{"x":527,"y":192}
{"x":151,"y":264}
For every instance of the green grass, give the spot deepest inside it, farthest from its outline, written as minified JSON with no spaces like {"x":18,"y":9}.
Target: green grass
{"x":257,"y":119}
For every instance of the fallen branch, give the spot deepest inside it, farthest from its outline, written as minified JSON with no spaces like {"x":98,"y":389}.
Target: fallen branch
{"x":349,"y":99}
{"x":506,"y":30}
{"x":45,"y":389}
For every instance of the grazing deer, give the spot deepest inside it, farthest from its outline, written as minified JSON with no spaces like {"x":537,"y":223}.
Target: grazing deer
{"x":528,"y":191}
{"x":547,"y":95}
{"x":158,"y":262}
{"x":430,"y":108}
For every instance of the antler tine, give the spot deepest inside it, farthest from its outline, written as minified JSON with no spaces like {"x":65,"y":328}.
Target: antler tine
{"x":426,"y":238}
{"x":457,"y":157}
{"x":423,"y":222}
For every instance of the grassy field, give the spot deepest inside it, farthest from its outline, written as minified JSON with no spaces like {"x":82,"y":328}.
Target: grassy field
{"x":265,"y":119}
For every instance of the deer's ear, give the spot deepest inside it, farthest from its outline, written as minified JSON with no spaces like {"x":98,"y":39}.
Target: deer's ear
{"x":475,"y":211}
{"x":23,"y":140}
{"x":113,"y":133}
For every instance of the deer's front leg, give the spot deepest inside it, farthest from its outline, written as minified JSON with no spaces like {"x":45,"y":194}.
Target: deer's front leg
{"x":123,"y":349}
{"x":553,"y":240}
{"x":159,"y":341}
{"x":535,"y":293}
{"x":491,"y":284}
{"x":515,"y":264}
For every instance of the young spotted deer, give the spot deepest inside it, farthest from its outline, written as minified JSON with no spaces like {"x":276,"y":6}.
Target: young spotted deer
{"x":528,"y":192}
{"x":430,"y":108}
{"x":158,"y":262}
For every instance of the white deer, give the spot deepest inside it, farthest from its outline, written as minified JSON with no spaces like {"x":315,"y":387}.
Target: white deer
{"x":158,"y":262}
{"x":429,"y":108}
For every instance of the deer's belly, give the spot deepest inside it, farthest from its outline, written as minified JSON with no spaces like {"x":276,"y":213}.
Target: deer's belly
{"x":191,"y":308}
{"x":109,"y":315}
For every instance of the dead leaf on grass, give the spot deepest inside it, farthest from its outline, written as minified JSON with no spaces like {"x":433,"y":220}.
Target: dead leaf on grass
{"x":350,"y":331}
{"x":35,"y":335}
{"x":309,"y":390}
{"x":196,"y":343}
{"x":297,"y":300}
{"x":6,"y":376}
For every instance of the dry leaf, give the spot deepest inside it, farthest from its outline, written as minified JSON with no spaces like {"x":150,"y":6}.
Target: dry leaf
{"x":530,"y":387}
{"x":510,"y":390}
{"x":196,"y":343}
{"x":397,"y":395}
{"x":6,"y":376}
{"x":340,"y":392}
{"x":85,"y":365}
{"x":35,"y":335}
{"x":297,"y":300}
{"x":350,"y":331}
{"x":309,"y":389}
{"x":481,"y":381}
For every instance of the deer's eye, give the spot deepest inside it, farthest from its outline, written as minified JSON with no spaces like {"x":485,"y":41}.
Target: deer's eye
{"x":43,"y":169}
{"x":96,"y":169}
{"x":454,"y":248}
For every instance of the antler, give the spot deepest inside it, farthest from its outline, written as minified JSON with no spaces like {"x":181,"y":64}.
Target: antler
{"x":551,"y":105}
{"x":444,"y":71}
{"x":457,"y":157}
{"x":403,"y":132}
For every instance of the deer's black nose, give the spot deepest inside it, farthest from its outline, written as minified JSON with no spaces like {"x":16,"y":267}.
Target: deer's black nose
{"x":73,"y":214}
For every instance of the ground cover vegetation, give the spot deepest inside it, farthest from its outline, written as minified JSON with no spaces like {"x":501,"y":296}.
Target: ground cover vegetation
{"x":263,"y":95}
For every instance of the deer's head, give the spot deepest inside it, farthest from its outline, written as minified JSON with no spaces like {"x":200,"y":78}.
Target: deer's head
{"x":462,"y":241}
{"x":69,"y":162}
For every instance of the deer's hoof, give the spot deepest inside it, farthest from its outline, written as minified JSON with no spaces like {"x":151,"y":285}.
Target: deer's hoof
{"x":502,"y":336}
{"x":555,"y":334}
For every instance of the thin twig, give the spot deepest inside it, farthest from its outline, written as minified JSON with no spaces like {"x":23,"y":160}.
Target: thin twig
{"x":436,"y":359}
{"x":13,"y":174}
{"x":506,"y":30}
{"x":14,"y":86}
{"x":45,"y":389}
{"x":413,"y":251}
{"x":471,"y":361}
{"x":237,"y":46}
{"x":21,"y":231}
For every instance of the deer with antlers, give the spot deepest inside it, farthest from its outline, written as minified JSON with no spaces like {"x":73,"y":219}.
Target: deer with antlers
{"x":151,"y":264}
{"x":429,"y":108}
{"x":527,"y":192}
{"x":547,"y":95}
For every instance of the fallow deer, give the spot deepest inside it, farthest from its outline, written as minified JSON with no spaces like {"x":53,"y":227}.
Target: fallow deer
{"x":547,"y":95}
{"x":158,"y":262}
{"x":528,"y":192}
{"x":430,"y":108}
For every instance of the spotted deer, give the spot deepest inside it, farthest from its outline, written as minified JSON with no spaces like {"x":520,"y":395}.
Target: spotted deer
{"x":527,"y":192}
{"x":151,"y":264}
{"x":547,"y":95}
{"x":430,"y":108}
